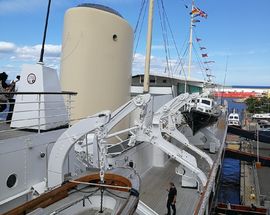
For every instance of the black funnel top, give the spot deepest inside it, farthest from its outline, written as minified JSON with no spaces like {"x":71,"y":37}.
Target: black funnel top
{"x":100,"y":7}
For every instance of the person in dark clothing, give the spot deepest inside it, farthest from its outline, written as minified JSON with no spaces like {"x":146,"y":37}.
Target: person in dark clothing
{"x":3,"y":79}
{"x":171,"y":200}
{"x":3,"y":87}
{"x":12,"y":88}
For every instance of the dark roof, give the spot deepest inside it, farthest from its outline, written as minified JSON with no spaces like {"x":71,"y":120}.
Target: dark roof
{"x":100,"y":7}
{"x":170,"y":78}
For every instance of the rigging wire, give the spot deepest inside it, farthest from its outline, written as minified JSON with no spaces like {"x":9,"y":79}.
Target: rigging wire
{"x":203,"y":66}
{"x":181,"y":63}
{"x":206,"y":67}
{"x":121,"y":197}
{"x":81,"y":190}
{"x":140,"y":28}
{"x":164,"y":35}
{"x":199,"y":61}
{"x":139,"y":17}
{"x":167,"y":38}
{"x":165,"y":26}
{"x":76,"y":201}
{"x":174,"y":42}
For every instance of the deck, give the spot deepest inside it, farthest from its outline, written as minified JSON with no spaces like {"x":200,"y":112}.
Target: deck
{"x":156,"y":181}
{"x":6,"y":132}
{"x":154,"y":194}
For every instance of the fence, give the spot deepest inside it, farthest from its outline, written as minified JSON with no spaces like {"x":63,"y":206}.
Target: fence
{"x":36,"y":111}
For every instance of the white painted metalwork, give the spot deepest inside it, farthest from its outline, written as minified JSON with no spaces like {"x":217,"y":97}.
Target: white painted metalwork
{"x":31,"y":117}
{"x":164,"y":121}
{"x":101,"y":124}
{"x":33,"y":79}
{"x":144,"y":209}
{"x":212,"y":143}
{"x":202,"y":205}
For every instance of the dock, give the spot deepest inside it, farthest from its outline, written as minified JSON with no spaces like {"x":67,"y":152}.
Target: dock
{"x":254,"y":175}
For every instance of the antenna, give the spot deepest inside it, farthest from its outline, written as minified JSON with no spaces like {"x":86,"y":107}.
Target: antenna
{"x":44,"y":34}
{"x":226,"y":69}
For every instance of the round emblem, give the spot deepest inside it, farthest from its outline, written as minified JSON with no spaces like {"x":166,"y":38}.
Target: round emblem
{"x":31,"y":78}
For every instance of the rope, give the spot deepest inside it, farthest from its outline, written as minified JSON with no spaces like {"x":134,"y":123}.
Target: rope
{"x":165,"y":27}
{"x":121,"y":197}
{"x":199,"y":61}
{"x":164,"y":36}
{"x":180,"y":62}
{"x":205,"y":67}
{"x":137,"y":43}
{"x":139,"y":17}
{"x":100,"y":185}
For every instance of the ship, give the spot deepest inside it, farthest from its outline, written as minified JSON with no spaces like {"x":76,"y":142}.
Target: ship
{"x":94,"y":144}
{"x":203,"y":113}
{"x":234,"y":120}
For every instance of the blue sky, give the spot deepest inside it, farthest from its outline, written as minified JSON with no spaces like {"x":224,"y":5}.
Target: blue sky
{"x":238,"y":30}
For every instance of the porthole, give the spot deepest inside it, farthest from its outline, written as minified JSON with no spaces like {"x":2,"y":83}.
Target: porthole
{"x":115,"y":37}
{"x":11,"y":181}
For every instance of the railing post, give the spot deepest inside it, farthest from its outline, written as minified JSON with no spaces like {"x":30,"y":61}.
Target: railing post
{"x":47,"y":161}
{"x":69,"y":109}
{"x":87,"y":152}
{"x":39,"y":100}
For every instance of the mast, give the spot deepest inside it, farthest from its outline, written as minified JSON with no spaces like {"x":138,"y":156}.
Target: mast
{"x":148,"y":47}
{"x":190,"y":40}
{"x":226,"y":69}
{"x":44,"y":34}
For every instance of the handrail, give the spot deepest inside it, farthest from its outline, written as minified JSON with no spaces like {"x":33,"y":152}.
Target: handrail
{"x":202,"y":204}
{"x":40,"y":93}
{"x":33,"y":110}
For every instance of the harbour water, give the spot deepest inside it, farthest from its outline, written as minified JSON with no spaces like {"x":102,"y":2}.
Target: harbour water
{"x":239,"y":107}
{"x":229,"y":190}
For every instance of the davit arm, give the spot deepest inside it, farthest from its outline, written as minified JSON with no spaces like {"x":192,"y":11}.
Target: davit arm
{"x":164,"y":121}
{"x":100,"y":123}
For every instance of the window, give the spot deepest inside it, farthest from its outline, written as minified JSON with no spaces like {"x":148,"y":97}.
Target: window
{"x":207,"y":102}
{"x":114,"y":37}
{"x":152,"y":81}
{"x":11,"y":181}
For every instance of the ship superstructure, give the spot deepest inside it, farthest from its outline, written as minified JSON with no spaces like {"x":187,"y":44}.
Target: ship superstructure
{"x":111,"y":160}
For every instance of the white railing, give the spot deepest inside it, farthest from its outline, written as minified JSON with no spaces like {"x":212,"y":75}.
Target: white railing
{"x":32,"y":112}
{"x":144,"y":209}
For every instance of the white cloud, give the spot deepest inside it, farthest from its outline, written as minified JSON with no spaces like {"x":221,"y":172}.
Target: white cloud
{"x":30,"y":52}
{"x":18,"y":55}
{"x":7,"y":47}
{"x":159,"y":65}
{"x":13,"y":56}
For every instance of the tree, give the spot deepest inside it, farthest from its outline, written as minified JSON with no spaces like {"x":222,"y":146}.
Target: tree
{"x":258,"y":105}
